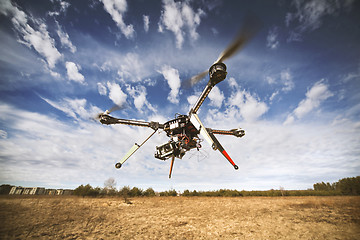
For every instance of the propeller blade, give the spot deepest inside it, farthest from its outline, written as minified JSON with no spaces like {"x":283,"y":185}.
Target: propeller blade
{"x":194,"y":80}
{"x":115,"y":108}
{"x":112,"y":109}
{"x":250,"y":27}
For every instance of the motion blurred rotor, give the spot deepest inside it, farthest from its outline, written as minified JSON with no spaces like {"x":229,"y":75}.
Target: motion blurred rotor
{"x":250,"y":27}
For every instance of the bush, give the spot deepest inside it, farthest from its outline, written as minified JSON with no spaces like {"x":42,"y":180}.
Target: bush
{"x":170,"y":193}
{"x":87,"y":190}
{"x":149,"y":192}
{"x":136,"y":192}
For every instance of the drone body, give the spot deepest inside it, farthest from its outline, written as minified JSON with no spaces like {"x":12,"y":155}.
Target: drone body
{"x":184,"y":130}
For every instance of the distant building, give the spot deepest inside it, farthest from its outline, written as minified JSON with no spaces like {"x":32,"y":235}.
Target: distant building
{"x":59,"y":192}
{"x":26,"y":191}
{"x":50,"y":191}
{"x":18,"y":190}
{"x":37,"y":191}
{"x":68,"y":192}
{"x":13,"y":190}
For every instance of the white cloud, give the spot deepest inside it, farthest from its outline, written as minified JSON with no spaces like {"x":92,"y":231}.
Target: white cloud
{"x":54,"y":74}
{"x":272,"y":41}
{"x":146,"y":22}
{"x":355,"y":75}
{"x":171,"y":18}
{"x":3,"y":134}
{"x":149,"y":82}
{"x":309,"y":15}
{"x":132,"y":68}
{"x":273,"y":95}
{"x":192,"y":20}
{"x":284,"y":83}
{"x":249,"y":107}
{"x":69,"y":154}
{"x":214,"y":31}
{"x":139,"y":93}
{"x":232,"y":83}
{"x":318,"y":93}
{"x":172,"y":77}
{"x":270,"y":155}
{"x":102,"y":88}
{"x":75,"y":108}
{"x":287,"y":80}
{"x":289,"y":120}
{"x":178,"y":17}
{"x":192,"y":99}
{"x":116,"y":94}
{"x":64,"y":39}
{"x":73,"y":72}
{"x":118,"y":97}
{"x":270,"y":80}
{"x":216,"y":97}
{"x":117,"y":9}
{"x":243,"y":104}
{"x":63,"y":7}
{"x":302,"y":153}
{"x":39,"y":39}
{"x":44,"y":44}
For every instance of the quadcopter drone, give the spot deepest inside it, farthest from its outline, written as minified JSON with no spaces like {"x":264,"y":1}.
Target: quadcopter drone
{"x":184,"y":130}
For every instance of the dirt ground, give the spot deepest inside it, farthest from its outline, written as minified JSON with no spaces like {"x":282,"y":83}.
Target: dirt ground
{"x":180,"y":218}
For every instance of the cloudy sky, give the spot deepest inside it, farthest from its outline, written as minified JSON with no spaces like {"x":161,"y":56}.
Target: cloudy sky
{"x":294,"y":88}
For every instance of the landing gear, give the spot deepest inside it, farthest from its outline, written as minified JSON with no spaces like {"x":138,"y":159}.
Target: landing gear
{"x":118,"y":165}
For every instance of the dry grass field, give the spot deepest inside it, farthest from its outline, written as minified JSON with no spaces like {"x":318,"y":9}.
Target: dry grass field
{"x":180,"y":218}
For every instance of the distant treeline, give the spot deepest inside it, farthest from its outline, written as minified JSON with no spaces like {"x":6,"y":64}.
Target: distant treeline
{"x":345,"y":186}
{"x":126,"y":191}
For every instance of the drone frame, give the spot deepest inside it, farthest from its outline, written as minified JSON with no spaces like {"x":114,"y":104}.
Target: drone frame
{"x":188,"y":127}
{"x":217,"y":73}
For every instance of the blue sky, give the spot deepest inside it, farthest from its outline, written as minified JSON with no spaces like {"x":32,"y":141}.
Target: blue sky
{"x":294,"y":88}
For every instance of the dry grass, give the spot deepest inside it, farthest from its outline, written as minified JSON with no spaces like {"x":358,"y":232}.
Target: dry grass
{"x":180,"y":218}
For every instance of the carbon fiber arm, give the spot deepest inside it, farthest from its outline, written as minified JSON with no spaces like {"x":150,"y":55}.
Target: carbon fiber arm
{"x":234,"y":132}
{"x":107,"y":119}
{"x":202,"y":98}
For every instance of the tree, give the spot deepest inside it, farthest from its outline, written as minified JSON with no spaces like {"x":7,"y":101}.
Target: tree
{"x":149,"y":192}
{"x":170,"y":193}
{"x":136,"y":192}
{"x":345,"y":186}
{"x":86,"y":190}
{"x":110,"y":186}
{"x":186,"y":193}
{"x":324,"y":186}
{"x":125,"y":192}
{"x":349,"y":186}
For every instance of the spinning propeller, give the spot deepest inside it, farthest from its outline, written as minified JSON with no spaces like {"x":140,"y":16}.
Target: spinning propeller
{"x":250,"y":27}
{"x":107,"y":112}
